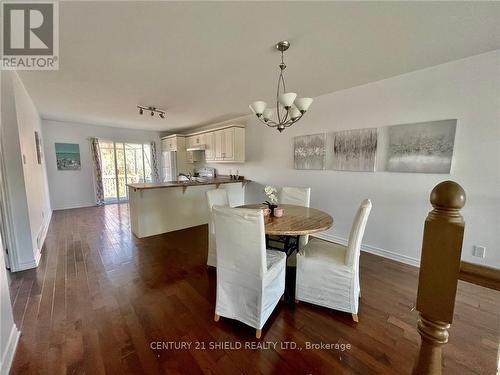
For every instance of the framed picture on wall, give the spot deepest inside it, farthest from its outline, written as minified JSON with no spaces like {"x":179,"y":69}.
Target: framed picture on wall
{"x":423,"y":147}
{"x":68,"y":156}
{"x":310,"y":151}
{"x":38,"y":145}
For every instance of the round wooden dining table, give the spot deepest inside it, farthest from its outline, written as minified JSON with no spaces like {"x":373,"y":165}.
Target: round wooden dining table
{"x":296,"y":221}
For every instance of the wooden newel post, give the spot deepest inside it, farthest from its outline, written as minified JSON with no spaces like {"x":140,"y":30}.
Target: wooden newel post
{"x":438,"y":276}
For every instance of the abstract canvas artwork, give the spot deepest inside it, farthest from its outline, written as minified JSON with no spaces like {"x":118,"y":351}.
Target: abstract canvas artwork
{"x":352,"y":150}
{"x":425,"y":147}
{"x":68,"y":156}
{"x":310,"y":151}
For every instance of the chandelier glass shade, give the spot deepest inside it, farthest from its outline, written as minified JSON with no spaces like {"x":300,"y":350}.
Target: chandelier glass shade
{"x":289,"y":108}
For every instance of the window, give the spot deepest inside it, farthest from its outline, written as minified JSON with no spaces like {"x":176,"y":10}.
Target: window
{"x":123,"y":163}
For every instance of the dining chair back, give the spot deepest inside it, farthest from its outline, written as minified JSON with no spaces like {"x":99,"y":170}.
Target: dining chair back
{"x":300,"y":197}
{"x":240,"y":238}
{"x":215,"y":197}
{"x":328,"y":273}
{"x":250,"y":279}
{"x":357,"y":232}
{"x":295,"y":195}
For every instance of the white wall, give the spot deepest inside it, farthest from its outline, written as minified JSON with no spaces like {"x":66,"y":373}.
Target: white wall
{"x":468,"y":90}
{"x":9,"y":334}
{"x":70,"y":189}
{"x":27,"y":189}
{"x":37,"y":191}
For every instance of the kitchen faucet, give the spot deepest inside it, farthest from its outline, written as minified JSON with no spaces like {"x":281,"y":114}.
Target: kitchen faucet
{"x":188,"y":176}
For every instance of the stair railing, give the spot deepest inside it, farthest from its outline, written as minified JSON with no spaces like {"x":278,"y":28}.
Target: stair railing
{"x":440,"y":270}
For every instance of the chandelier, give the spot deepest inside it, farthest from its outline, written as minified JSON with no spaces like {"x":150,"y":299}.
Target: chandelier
{"x":289,"y":108}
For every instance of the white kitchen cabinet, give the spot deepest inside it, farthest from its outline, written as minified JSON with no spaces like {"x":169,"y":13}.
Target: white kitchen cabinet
{"x":229,"y":145}
{"x":180,"y":160}
{"x":223,"y":145}
{"x":209,"y":146}
{"x":195,"y":140}
{"x":171,"y":143}
{"x":218,"y":146}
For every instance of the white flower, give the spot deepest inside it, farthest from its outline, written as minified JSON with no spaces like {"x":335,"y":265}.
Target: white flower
{"x":271,"y":193}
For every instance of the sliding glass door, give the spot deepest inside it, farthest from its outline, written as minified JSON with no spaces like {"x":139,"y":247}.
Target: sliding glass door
{"x":122,"y":164}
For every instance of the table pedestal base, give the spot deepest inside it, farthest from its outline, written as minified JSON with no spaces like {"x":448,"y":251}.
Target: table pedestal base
{"x":290,"y":245}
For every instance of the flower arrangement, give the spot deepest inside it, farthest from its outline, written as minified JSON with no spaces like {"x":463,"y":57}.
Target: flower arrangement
{"x":272,"y":195}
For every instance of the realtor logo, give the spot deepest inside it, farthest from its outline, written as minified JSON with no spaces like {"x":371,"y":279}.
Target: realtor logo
{"x":30,"y":35}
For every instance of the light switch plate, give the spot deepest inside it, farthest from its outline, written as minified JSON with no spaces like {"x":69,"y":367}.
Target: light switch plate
{"x":479,"y":251}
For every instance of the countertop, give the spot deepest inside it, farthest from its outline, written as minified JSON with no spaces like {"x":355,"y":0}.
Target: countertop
{"x":170,"y":184}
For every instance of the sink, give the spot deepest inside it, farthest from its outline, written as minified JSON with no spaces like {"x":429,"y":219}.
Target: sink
{"x":193,"y":180}
{"x":199,"y":179}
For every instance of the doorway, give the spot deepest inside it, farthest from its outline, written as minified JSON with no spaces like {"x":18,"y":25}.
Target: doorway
{"x":123,"y":163}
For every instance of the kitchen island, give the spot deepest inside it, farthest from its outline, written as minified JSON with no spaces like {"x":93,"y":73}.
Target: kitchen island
{"x":157,"y":208}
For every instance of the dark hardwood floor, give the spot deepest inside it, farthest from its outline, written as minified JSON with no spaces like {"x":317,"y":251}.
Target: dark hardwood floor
{"x":100,"y":297}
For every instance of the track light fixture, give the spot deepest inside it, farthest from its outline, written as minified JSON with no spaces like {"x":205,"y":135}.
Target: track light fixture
{"x":152,"y":111}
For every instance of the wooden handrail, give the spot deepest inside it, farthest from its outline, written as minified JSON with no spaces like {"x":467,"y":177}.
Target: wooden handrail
{"x":480,"y":275}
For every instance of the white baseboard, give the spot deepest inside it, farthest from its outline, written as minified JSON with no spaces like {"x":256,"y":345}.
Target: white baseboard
{"x":77,"y":205}
{"x":10,"y":350}
{"x":44,"y":233}
{"x":34,"y":263}
{"x":372,"y":250}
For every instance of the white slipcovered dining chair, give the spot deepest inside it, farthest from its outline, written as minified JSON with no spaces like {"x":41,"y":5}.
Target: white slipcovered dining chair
{"x":250,"y":279}
{"x":215,"y":197}
{"x":328,"y":273}
{"x":297,"y":196}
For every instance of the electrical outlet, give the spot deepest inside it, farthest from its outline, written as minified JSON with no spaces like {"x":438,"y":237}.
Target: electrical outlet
{"x":479,"y":251}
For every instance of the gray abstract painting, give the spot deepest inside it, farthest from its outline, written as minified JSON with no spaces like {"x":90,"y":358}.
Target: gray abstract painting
{"x":310,"y":151}
{"x":425,"y":147}
{"x":353,"y":150}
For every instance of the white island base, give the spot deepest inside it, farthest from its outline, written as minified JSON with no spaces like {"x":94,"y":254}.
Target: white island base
{"x":165,"y":208}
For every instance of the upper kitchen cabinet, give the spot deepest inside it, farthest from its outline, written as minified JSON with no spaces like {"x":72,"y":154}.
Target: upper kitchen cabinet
{"x":209,"y":146}
{"x":172,"y":143}
{"x":229,"y":145}
{"x":196,"y":140}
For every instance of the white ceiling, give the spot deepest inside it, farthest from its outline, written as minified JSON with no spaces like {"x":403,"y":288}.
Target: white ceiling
{"x":205,"y":62}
